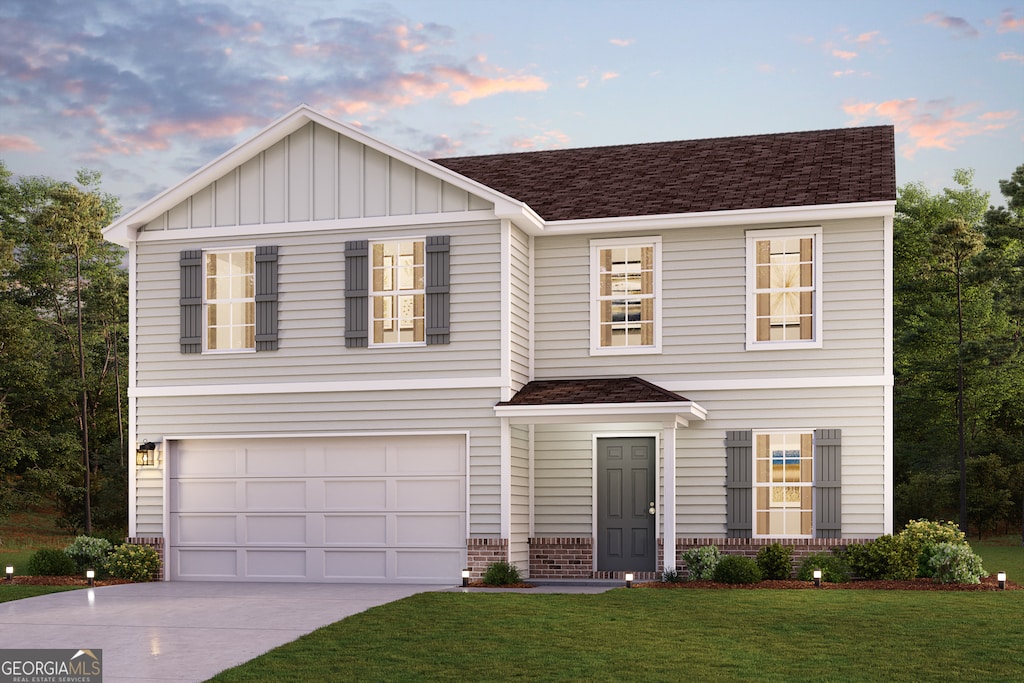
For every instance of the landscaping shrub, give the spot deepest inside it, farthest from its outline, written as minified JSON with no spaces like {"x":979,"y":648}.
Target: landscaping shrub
{"x":775,"y":561}
{"x":834,"y":568}
{"x":923,"y":535}
{"x":955,"y":563}
{"x":672,"y":576}
{"x":133,"y":562}
{"x":501,"y":574}
{"x":89,"y":552}
{"x":887,"y":557}
{"x":737,"y":569}
{"x":701,"y":561}
{"x":51,"y":562}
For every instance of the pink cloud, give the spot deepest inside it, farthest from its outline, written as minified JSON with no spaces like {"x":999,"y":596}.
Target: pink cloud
{"x":582,"y":82}
{"x":929,"y":125}
{"x":551,"y":139}
{"x":1008,"y":22}
{"x":472,"y":87}
{"x":958,"y":25}
{"x":840,"y":74}
{"x":844,"y":54}
{"x":18,"y":143}
{"x":609,"y":75}
{"x":159,"y":134}
{"x":869,"y":37}
{"x":622,"y":42}
{"x":1010,"y":57}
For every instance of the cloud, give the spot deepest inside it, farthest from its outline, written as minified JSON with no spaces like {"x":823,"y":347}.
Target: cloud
{"x":582,"y":81}
{"x":844,"y":54}
{"x":1008,"y":22}
{"x":846,"y":72}
{"x":868,"y":38}
{"x":546,"y":139}
{"x":18,"y":143}
{"x":930,"y":125}
{"x":609,"y":75}
{"x":622,"y":42}
{"x":959,"y":26}
{"x":1010,"y":57}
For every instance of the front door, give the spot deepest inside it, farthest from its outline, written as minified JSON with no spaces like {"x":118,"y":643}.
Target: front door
{"x":626,"y":505}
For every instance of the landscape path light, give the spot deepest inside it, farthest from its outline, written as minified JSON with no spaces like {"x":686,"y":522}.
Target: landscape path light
{"x":10,"y":574}
{"x":629,"y":579}
{"x":1000,"y":577}
{"x":91,"y":575}
{"x":465,"y":577}
{"x":817,"y":578}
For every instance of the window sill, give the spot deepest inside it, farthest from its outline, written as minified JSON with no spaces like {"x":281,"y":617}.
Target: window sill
{"x":782,"y":346}
{"x":625,"y":350}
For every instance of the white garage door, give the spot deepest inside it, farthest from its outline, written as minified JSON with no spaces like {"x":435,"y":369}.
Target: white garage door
{"x":370,"y":509}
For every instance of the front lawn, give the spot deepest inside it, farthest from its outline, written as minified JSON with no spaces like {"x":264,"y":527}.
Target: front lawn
{"x":665,"y":635}
{"x":16,"y":592}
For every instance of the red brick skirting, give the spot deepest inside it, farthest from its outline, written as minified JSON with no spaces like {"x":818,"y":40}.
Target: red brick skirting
{"x":483,"y":552}
{"x":561,"y":558}
{"x":154,"y":542}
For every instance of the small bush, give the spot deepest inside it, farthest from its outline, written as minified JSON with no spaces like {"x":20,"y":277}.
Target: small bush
{"x":886,"y":557}
{"x":834,"y":568}
{"x":923,"y":535}
{"x":672,"y":576}
{"x":88,"y":552}
{"x":701,"y":561}
{"x":955,"y":563}
{"x":775,"y":561}
{"x":737,"y":569}
{"x":501,"y":574}
{"x":133,"y":562}
{"x":51,"y":562}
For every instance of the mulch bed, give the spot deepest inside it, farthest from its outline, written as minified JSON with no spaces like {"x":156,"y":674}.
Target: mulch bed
{"x":987,"y":584}
{"x":59,"y":581}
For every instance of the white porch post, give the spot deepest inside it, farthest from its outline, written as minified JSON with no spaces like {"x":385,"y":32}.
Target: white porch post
{"x":668,"y":441}
{"x":506,"y":481}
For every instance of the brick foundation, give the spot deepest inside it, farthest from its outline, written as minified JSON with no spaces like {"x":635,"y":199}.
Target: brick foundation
{"x":802,"y":547}
{"x":157,"y":544}
{"x":561,"y":558}
{"x":483,"y":552}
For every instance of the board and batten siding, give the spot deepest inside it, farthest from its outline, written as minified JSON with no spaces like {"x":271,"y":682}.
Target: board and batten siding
{"x":316,"y":174}
{"x":336,"y":413}
{"x":704,"y":307}
{"x":311,"y":314}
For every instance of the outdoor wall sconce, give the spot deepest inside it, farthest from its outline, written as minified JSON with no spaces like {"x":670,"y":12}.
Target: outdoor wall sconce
{"x":629,"y":579}
{"x":90,"y":574}
{"x":817,"y":578}
{"x":145,"y":454}
{"x":1000,"y":577}
{"x":10,"y":574}
{"x":465,"y":578}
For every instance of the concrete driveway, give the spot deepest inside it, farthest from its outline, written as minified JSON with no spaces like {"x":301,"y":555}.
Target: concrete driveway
{"x":184,"y":631}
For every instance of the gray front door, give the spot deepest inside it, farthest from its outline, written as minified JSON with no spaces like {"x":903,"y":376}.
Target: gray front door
{"x":625,"y":505}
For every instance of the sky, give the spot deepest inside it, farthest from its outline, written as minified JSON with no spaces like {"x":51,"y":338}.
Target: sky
{"x":148,"y":91}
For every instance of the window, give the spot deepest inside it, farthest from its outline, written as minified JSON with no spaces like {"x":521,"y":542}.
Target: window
{"x":398,"y":292}
{"x":783,"y":268}
{"x":229,"y":300}
{"x":783,"y":484}
{"x":625,"y":296}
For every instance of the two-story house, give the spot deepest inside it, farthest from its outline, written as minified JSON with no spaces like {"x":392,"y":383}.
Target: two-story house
{"x":356,"y":364}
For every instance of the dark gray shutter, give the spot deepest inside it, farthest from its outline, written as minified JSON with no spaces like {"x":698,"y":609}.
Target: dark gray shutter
{"x":828,"y":503}
{"x":266,"y":298}
{"x":437,"y":290}
{"x":191,"y":301}
{"x":357,"y":285}
{"x":739,"y":500}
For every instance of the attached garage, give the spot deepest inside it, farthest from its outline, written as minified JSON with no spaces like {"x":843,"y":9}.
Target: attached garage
{"x":337,"y":509}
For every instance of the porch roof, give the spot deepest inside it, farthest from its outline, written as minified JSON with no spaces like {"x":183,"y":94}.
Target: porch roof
{"x":598,"y":399}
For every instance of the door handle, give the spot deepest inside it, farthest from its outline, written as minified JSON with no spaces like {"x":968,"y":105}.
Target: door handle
{"x":651,"y":509}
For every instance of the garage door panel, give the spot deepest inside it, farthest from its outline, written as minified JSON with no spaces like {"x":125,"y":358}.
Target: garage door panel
{"x":428,"y":494}
{"x":205,"y":564}
{"x":428,"y":530}
{"x":275,"y":564}
{"x":276,"y":461}
{"x":356,"y":494}
{"x":275,"y":495}
{"x":357,"y":530}
{"x":358,"y":458}
{"x":276,"y":529}
{"x":207,"y":529}
{"x":426,"y":459}
{"x":419,"y":565}
{"x":205,"y":495}
{"x":356,"y":565}
{"x":207,"y":461}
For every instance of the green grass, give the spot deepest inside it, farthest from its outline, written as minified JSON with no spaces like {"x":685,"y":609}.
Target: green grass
{"x":665,"y":635}
{"x":15,"y":592}
{"x":27,"y":531}
{"x":1002,"y":554}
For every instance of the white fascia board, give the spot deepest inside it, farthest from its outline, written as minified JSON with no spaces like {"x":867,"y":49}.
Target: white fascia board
{"x":125,"y":228}
{"x":684,"y":387}
{"x":710,"y":219}
{"x":602,"y":412}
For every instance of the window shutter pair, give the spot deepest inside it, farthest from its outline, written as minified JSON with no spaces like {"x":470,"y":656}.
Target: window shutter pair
{"x":739,"y":482}
{"x":437,"y":288}
{"x":191,"y":299}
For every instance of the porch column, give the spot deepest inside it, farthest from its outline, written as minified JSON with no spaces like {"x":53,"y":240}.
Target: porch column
{"x":668,"y":441}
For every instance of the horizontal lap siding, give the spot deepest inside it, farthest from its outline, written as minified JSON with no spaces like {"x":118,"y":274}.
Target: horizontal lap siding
{"x":704,"y":309}
{"x":339,"y":413}
{"x":519,"y":548}
{"x":520,"y":308}
{"x":311,"y":315}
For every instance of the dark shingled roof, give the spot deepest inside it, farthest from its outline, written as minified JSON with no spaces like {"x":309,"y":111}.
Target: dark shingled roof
{"x":586,"y":391}
{"x":840,"y":166}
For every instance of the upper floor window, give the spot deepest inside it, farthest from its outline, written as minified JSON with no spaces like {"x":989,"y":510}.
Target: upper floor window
{"x":625,"y":295}
{"x":783,"y":483}
{"x":398,"y":292}
{"x":229,"y":300}
{"x":784,"y":290}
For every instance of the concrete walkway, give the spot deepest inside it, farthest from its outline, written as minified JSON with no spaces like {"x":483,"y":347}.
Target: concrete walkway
{"x":184,"y":631}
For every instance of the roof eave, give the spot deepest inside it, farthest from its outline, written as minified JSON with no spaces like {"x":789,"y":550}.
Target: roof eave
{"x":664,"y":411}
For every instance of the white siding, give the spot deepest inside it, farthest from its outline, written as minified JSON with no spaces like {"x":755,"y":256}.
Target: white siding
{"x":703,"y":310}
{"x":519,"y":308}
{"x":316,"y":174}
{"x":149,"y":500}
{"x":519,"y":548}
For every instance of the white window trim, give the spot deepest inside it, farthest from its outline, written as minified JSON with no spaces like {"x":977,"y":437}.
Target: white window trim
{"x":752,"y":237}
{"x":595,"y":288}
{"x":754,"y":484}
{"x":206,"y":317}
{"x":371,"y":293}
